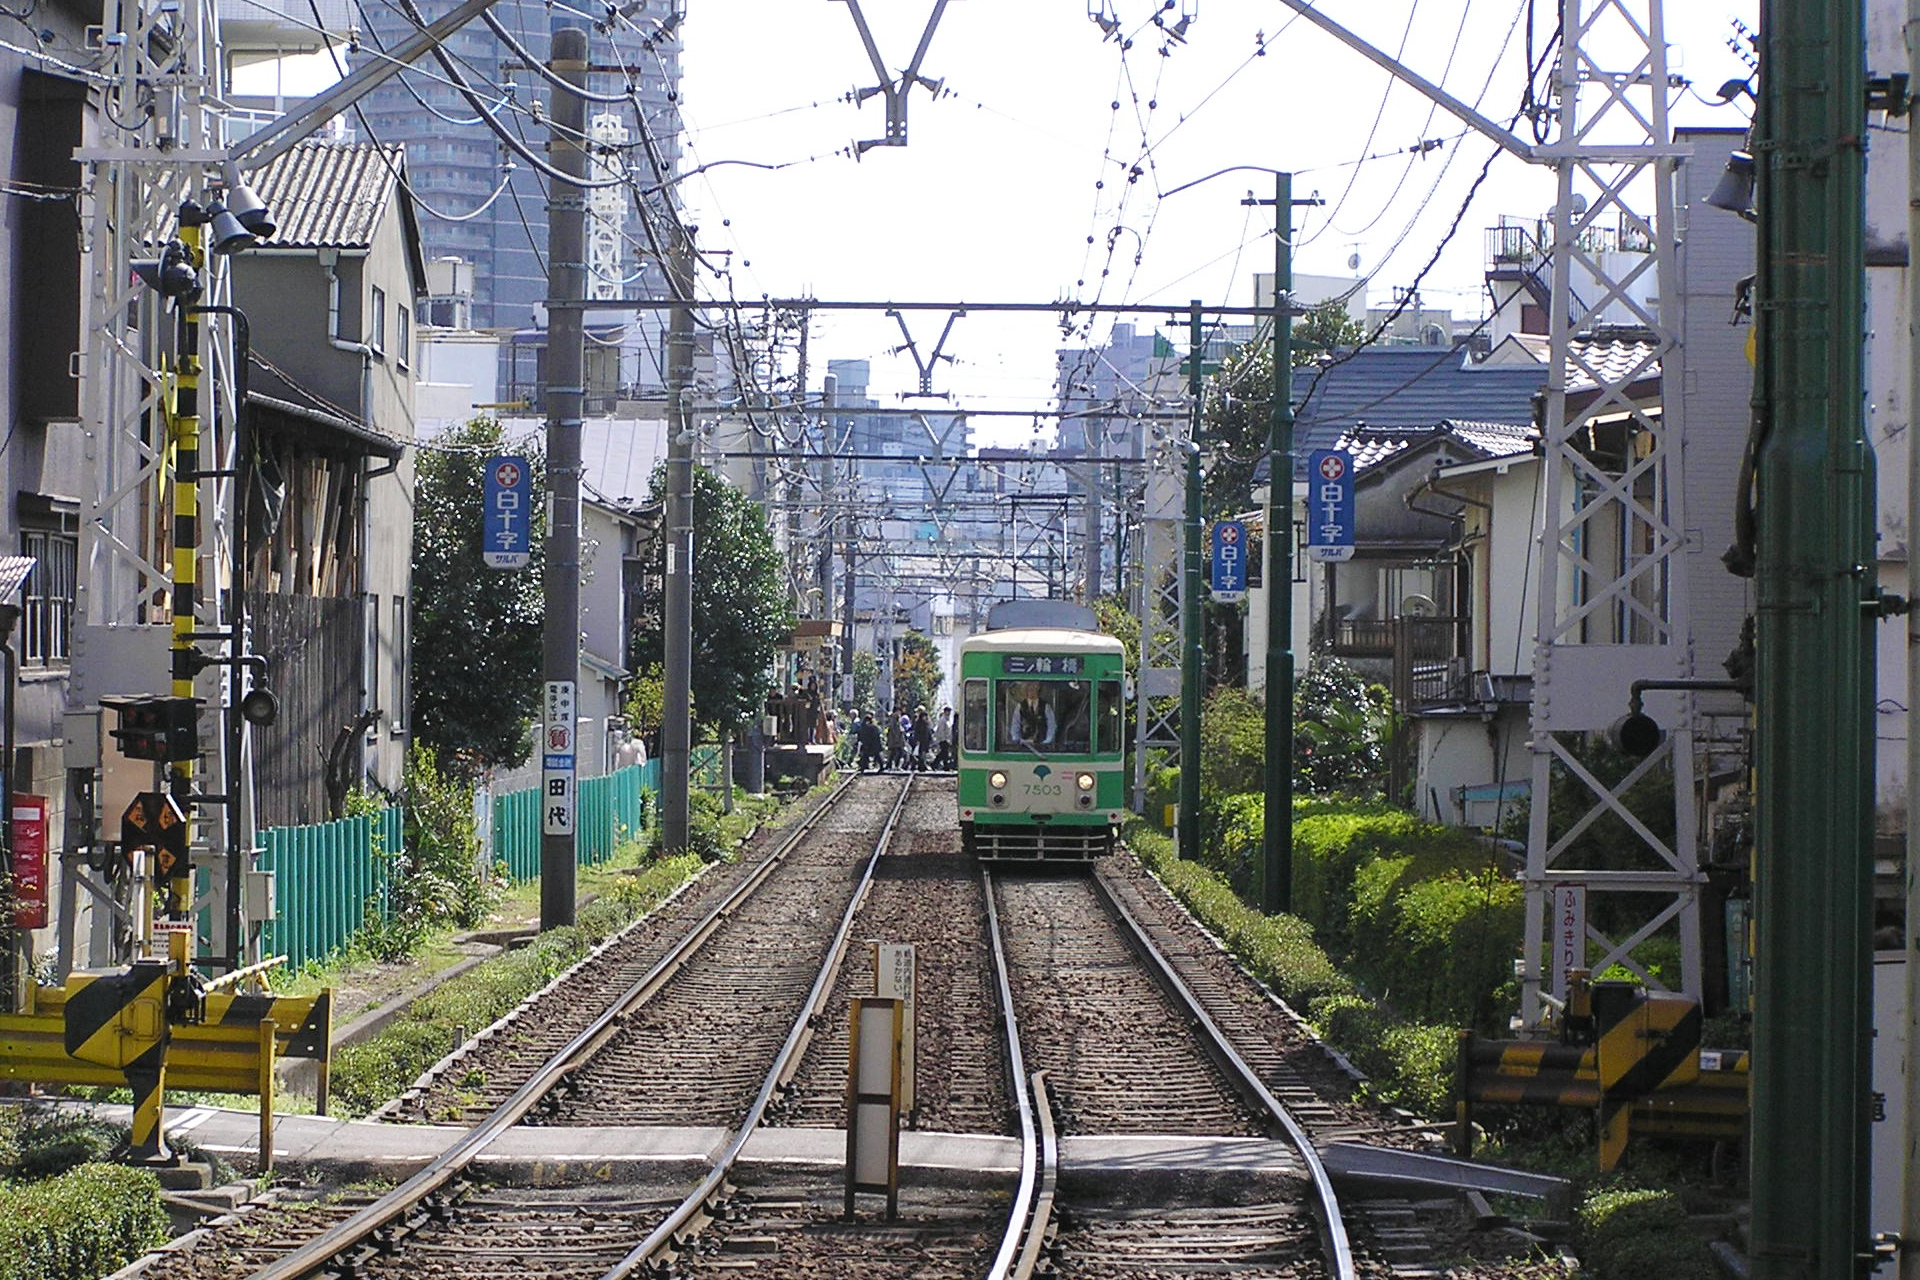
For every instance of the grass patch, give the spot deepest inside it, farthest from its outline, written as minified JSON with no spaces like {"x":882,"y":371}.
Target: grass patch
{"x":1408,"y":1064}
{"x":367,"y":1074}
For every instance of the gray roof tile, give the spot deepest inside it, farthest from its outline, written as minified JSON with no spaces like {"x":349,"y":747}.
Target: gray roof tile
{"x":329,"y":194}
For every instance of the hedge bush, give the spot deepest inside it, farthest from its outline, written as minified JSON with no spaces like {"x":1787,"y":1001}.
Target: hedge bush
{"x":1629,"y":1233}
{"x":80,"y":1224}
{"x":1424,"y":914}
{"x":1409,"y":1064}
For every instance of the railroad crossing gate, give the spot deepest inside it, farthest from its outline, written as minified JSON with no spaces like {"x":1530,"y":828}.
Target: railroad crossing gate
{"x":148,"y":1027}
{"x":1631,"y":1056}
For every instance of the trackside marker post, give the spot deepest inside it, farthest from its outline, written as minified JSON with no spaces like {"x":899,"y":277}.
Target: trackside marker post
{"x":873,"y":1100}
{"x":893,"y":978}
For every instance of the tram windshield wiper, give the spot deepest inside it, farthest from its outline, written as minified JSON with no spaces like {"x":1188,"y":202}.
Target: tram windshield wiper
{"x":1036,"y":751}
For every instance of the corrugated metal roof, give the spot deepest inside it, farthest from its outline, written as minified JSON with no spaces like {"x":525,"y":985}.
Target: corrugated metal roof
{"x":329,"y":194}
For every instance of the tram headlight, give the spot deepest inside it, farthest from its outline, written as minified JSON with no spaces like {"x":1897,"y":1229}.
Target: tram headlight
{"x":996,"y":779}
{"x":1085,"y":781}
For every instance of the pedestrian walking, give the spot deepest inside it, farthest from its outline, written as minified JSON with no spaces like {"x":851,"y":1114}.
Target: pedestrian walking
{"x":922,"y":739}
{"x":943,"y":742}
{"x":868,"y":737}
{"x":897,"y":740}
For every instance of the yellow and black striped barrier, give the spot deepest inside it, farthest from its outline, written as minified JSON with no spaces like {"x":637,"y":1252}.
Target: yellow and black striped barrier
{"x":114,"y":1029}
{"x":1641,"y":1070}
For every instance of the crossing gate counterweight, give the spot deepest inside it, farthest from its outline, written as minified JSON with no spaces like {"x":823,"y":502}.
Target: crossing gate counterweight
{"x":1630,"y":1056}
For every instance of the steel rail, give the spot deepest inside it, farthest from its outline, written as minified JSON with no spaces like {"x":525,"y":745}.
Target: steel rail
{"x":450,"y":1164}
{"x":781,"y":1074}
{"x":1042,"y":1218}
{"x":1326,"y":1204}
{"x":1039,"y":1164}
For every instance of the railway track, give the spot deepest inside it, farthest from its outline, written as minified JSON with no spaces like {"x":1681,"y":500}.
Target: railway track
{"x":924,"y":892}
{"x":1132,"y":1048}
{"x":445,"y":1221}
{"x":474,"y":1080}
{"x":1295,"y":1068}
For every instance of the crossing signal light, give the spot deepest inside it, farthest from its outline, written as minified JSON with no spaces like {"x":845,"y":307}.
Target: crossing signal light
{"x":157,"y":728}
{"x":172,"y":274}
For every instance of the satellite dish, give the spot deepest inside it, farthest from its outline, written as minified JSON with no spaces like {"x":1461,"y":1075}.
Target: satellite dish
{"x":1353,"y":262}
{"x":1579,"y":204}
{"x":1419,"y":606}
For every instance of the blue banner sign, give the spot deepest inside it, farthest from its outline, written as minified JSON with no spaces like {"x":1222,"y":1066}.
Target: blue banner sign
{"x":1227,"y":574}
{"x":1330,"y":504}
{"x":507,"y":513}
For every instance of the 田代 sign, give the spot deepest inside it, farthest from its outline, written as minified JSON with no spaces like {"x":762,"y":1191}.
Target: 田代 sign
{"x":507,"y":513}
{"x":1228,"y":568}
{"x":557,"y":759}
{"x":1330,"y":504}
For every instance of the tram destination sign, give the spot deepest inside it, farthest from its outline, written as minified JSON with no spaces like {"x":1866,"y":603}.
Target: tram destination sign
{"x":1042,"y":664}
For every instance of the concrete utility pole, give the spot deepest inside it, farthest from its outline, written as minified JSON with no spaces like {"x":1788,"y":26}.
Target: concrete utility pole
{"x":1276,"y":879}
{"x":1814,"y":686}
{"x":676,"y":733}
{"x":1910,"y":1201}
{"x":1191,"y":630}
{"x":565,"y":391}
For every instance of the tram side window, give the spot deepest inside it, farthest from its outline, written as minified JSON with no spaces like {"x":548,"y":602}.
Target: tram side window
{"x":973,"y":716}
{"x":1110,"y":716}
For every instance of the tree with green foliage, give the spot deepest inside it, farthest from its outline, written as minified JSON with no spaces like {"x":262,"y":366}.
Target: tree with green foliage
{"x":866,"y":679}
{"x":647,"y":703}
{"x":1340,"y":730}
{"x":1122,"y":624}
{"x":741,"y":612}
{"x":1237,"y":400}
{"x":916,"y":674}
{"x":476,"y":630}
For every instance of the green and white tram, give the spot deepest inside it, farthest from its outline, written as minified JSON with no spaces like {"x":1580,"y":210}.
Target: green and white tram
{"x":1040,"y":737}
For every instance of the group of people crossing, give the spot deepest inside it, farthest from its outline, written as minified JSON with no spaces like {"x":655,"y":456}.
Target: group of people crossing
{"x":908,"y":740}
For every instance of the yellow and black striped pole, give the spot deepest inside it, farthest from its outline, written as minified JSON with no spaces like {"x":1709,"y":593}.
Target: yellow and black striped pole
{"x":183,"y":426}
{"x":121,"y":1021}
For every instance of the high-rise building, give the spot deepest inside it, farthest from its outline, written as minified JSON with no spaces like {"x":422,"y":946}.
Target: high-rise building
{"x":454,"y":162}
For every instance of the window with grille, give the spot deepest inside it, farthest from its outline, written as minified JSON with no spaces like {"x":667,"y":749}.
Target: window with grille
{"x":46,"y":620}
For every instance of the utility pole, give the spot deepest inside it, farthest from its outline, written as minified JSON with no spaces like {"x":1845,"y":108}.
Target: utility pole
{"x":1910,"y":1202}
{"x":1814,"y":686}
{"x":565,"y":392}
{"x":676,"y":733}
{"x":1276,"y":878}
{"x":1190,"y":634}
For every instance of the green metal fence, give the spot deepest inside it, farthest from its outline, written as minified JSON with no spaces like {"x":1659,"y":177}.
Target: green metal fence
{"x":703,"y":766}
{"x":327,"y":879}
{"x":607,"y":810}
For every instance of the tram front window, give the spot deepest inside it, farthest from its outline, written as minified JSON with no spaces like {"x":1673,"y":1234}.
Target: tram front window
{"x":1045,"y":716}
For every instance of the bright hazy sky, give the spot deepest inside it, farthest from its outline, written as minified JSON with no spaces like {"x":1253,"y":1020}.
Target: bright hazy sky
{"x":996,"y":195}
